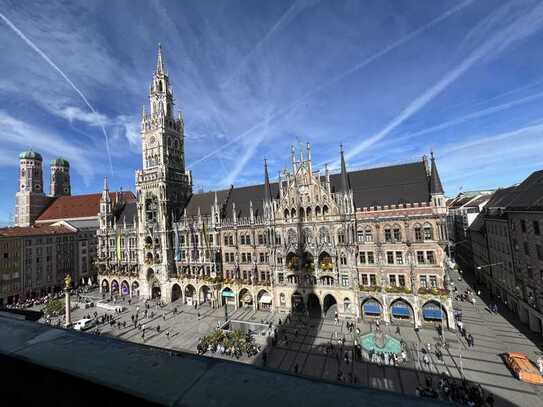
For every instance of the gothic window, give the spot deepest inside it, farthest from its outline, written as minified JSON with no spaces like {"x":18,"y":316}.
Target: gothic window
{"x":151,"y":207}
{"x":325,"y":210}
{"x":360,"y":236}
{"x":308,"y":213}
{"x":302,"y":214}
{"x":343,"y":259}
{"x":341,"y":237}
{"x":388,"y":234}
{"x":317,"y":211}
{"x":368,"y":235}
{"x":293,"y":213}
{"x":418,"y":233}
{"x":428,"y":232}
{"x":397,"y":234}
{"x":286,"y":214}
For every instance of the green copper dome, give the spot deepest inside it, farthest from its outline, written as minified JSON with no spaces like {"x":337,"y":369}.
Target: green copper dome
{"x":30,"y":155}
{"x":60,"y":162}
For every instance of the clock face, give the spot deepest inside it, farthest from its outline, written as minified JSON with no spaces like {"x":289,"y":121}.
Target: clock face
{"x":152,"y":140}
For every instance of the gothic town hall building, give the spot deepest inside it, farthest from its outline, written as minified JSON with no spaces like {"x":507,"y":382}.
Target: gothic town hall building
{"x":367,"y":244}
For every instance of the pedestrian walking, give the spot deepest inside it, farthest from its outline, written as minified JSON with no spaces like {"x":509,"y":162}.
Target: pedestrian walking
{"x":296,"y":368}
{"x":167,"y":334}
{"x":398,"y":330}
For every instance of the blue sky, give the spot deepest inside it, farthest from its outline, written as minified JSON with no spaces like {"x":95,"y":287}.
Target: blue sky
{"x":390,"y":80}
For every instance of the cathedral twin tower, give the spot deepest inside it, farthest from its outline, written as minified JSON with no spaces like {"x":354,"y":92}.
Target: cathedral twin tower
{"x":31,"y":199}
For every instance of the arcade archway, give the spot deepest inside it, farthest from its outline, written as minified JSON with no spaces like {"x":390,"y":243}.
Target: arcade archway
{"x":329,"y":306}
{"x":245,"y":298}
{"x":176,"y":292}
{"x":371,"y":308}
{"x":155,"y":290}
{"x":401,"y":310}
{"x":114,"y":287}
{"x":125,"y":288}
{"x":433,"y":312}
{"x":205,"y":294}
{"x":264,"y":301}
{"x":105,"y":286}
{"x":190,"y":294}
{"x":314,"y":306}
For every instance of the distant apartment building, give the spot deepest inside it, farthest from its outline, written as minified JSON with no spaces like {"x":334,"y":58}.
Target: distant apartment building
{"x":35,"y":260}
{"x":462,"y":211}
{"x":508,"y":248}
{"x":54,"y":234}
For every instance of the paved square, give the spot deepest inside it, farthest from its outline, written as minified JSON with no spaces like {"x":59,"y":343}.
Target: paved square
{"x":307,"y":340}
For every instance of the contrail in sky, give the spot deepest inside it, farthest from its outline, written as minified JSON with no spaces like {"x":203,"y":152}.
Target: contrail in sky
{"x":279,"y":22}
{"x":66,"y":78}
{"x":470,"y":116}
{"x":520,"y":28}
{"x":337,"y":78}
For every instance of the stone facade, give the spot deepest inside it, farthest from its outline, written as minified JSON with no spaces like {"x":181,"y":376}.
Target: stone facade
{"x":507,"y":247}
{"x":35,"y":260}
{"x":367,"y":243}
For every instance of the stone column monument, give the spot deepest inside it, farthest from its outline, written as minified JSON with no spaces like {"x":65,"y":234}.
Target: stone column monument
{"x":67,"y":286}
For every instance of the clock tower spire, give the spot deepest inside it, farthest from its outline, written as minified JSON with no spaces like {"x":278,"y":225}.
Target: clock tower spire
{"x":163,"y":185}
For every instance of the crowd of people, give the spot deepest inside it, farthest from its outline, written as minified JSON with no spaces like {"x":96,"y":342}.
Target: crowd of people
{"x":32,"y":302}
{"x":235,"y":344}
{"x":458,"y":391}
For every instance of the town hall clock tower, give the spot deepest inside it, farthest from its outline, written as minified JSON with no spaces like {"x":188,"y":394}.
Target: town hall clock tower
{"x":163,"y":186}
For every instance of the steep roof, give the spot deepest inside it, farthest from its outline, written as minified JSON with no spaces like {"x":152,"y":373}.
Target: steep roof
{"x":79,"y":206}
{"x":501,"y":198}
{"x":404,"y":183}
{"x":36,"y":230}
{"x":529,"y":194}
{"x":435,"y":181}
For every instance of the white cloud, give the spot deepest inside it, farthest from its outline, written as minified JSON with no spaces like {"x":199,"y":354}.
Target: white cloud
{"x":15,"y":133}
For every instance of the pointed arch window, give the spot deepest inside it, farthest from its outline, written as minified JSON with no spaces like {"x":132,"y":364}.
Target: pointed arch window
{"x":397,"y":233}
{"x":388,"y":234}
{"x":418,"y":232}
{"x":368,"y":234}
{"x":325,"y":210}
{"x":317,"y":211}
{"x":428,"y":232}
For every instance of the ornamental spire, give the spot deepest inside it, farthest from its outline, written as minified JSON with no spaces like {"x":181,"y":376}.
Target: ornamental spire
{"x":345,"y":185}
{"x":267,"y":188}
{"x":160,"y":61}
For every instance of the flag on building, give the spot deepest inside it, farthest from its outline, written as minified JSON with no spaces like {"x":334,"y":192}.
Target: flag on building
{"x":119,"y":248}
{"x":177,"y":249}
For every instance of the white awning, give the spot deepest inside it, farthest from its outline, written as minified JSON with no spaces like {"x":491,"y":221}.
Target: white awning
{"x":266,"y":299}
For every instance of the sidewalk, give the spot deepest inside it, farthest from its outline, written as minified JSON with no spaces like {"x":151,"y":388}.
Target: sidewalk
{"x":493,"y":335}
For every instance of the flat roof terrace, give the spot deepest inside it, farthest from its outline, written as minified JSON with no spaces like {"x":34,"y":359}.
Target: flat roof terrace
{"x":41,"y":364}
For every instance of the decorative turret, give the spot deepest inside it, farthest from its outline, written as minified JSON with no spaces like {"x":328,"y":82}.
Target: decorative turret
{"x":59,"y":183}
{"x":106,"y":210}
